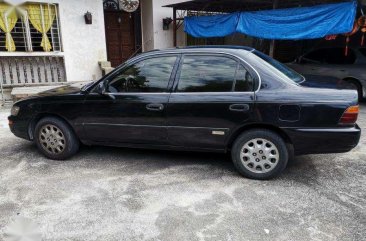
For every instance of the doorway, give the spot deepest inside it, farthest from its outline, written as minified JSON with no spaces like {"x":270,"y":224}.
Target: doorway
{"x":123,"y":31}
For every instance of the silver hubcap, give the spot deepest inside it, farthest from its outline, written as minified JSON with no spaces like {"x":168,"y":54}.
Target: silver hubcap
{"x":259,"y":155}
{"x":52,"y":139}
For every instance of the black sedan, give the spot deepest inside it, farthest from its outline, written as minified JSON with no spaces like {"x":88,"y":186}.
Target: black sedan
{"x":215,"y":99}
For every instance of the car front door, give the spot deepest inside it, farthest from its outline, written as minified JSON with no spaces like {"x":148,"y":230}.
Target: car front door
{"x":214,"y":94}
{"x":133,"y":107}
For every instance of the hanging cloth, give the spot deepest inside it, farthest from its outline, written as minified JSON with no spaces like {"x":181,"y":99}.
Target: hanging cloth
{"x":42,"y":17}
{"x":286,"y":24}
{"x":211,"y":26}
{"x":8,"y":19}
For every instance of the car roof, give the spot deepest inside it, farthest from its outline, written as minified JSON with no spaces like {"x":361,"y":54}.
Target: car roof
{"x":203,"y":48}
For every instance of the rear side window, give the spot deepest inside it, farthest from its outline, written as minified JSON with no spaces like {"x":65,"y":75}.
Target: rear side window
{"x":244,"y":80}
{"x":213,"y":74}
{"x":331,"y":56}
{"x":363,"y":51}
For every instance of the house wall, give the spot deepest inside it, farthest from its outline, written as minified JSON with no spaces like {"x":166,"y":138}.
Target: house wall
{"x":147,"y":25}
{"x":83,"y":45}
{"x":152,"y":25}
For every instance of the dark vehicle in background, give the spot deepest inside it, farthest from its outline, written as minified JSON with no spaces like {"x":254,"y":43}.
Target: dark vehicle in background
{"x":212,"y":99}
{"x":334,"y":63}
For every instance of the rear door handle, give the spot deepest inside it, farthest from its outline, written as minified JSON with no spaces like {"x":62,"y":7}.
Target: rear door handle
{"x":239,"y":107}
{"x":155,"y":107}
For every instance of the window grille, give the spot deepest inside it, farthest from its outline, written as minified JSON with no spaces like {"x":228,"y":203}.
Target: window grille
{"x":25,"y":35}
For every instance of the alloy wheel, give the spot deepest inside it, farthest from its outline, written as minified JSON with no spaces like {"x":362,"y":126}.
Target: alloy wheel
{"x":52,"y":139}
{"x":259,"y":155}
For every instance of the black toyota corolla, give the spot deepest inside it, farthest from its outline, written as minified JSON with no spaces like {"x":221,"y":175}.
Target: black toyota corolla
{"x":214,"y":99}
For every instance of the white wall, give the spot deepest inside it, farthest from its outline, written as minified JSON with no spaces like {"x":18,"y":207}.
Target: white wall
{"x":147,"y":25}
{"x":162,"y":38}
{"x":83,"y":45}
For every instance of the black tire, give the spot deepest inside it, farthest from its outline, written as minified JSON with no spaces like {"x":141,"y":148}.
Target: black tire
{"x":246,"y":169}
{"x":70,"y":143}
{"x":358,"y":88}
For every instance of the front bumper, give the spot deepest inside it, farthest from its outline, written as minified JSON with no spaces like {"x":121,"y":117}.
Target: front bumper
{"x":319,"y":141}
{"x":19,"y":127}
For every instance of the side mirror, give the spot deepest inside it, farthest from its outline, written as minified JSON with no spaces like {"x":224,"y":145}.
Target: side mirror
{"x":105,"y":92}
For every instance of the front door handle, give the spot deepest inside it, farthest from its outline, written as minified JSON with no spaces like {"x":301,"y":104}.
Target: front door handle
{"x":155,"y":107}
{"x":239,"y":107}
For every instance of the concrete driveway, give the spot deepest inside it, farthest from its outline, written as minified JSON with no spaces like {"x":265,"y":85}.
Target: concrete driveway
{"x":122,"y":194}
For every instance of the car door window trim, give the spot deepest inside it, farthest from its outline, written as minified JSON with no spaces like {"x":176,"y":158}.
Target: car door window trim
{"x":241,"y":61}
{"x":135,"y":61}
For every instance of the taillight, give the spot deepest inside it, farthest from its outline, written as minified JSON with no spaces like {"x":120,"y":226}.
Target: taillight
{"x":350,"y":115}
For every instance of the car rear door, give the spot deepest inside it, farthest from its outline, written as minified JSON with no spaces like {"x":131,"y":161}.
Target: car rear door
{"x":137,"y":113}
{"x":213,"y":95}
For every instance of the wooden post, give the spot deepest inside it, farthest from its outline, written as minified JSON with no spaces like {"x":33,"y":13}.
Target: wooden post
{"x":272,"y":45}
{"x":174,"y":27}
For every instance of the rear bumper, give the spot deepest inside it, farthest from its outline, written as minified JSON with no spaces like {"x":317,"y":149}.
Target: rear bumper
{"x":317,"y":141}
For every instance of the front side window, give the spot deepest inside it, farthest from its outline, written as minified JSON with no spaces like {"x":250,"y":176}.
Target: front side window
{"x":208,"y":74}
{"x":150,"y":75}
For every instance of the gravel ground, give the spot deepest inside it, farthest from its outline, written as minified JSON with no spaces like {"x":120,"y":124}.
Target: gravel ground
{"x":122,"y":194}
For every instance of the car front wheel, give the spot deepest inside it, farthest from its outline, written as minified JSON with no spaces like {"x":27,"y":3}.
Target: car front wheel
{"x":55,"y":139}
{"x":260,"y":154}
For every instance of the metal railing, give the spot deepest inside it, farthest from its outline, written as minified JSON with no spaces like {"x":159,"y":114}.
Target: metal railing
{"x":31,"y":70}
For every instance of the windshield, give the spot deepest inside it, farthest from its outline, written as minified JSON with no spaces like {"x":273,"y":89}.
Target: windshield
{"x":87,"y":85}
{"x":291,"y":74}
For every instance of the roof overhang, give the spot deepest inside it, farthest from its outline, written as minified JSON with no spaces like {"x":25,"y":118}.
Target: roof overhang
{"x":244,"y":5}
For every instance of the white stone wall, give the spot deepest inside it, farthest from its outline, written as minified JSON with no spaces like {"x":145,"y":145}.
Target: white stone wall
{"x":83,"y":45}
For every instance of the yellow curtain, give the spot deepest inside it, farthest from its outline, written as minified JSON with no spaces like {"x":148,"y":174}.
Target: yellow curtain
{"x":7,"y":24}
{"x":42,"y":16}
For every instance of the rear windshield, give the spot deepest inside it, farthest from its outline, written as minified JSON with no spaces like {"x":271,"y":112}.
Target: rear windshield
{"x":290,"y":73}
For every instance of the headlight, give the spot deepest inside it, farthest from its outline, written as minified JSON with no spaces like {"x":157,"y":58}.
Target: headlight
{"x":15,"y":110}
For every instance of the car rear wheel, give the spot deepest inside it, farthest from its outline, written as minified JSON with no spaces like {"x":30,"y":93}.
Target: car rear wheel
{"x":55,"y":139}
{"x":260,"y":154}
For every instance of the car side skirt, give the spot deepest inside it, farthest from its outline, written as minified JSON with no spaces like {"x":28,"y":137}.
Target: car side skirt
{"x":154,"y":147}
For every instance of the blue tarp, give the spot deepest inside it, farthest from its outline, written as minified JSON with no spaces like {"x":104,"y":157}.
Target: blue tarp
{"x":291,"y":24}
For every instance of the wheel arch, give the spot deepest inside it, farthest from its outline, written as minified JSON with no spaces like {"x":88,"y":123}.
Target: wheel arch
{"x":351,"y":78}
{"x":39,"y":116}
{"x":273,"y":128}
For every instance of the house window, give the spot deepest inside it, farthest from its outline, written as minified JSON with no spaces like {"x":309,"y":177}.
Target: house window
{"x":30,"y":27}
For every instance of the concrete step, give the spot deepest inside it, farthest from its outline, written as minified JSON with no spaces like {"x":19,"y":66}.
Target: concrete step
{"x":105,"y":64}
{"x":107,"y":70}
